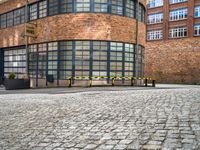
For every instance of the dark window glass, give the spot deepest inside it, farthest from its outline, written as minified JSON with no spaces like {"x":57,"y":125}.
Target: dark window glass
{"x":53,"y":7}
{"x":117,"y":7}
{"x":100,"y":5}
{"x":141,"y":13}
{"x":42,"y":52}
{"x":130,"y":8}
{"x":53,"y":59}
{"x":33,"y":11}
{"x":140,"y":60}
{"x":116,"y":54}
{"x":65,"y":57}
{"x":33,"y":61}
{"x":83,"y":5}
{"x":43,"y":9}
{"x":22,"y":15}
{"x":10,"y":19}
{"x":17,"y":17}
{"x":82,"y":58}
{"x":15,"y":61}
{"x":3,"y":21}
{"x":100,"y":51}
{"x":66,"y":6}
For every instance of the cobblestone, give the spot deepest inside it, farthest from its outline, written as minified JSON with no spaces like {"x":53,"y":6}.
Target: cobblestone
{"x":105,"y":120}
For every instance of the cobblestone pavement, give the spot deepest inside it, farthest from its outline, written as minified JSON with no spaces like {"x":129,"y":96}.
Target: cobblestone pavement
{"x":165,"y":119}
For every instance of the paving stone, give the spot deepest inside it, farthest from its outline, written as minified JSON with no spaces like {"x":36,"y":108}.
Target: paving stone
{"x":105,"y":147}
{"x":151,"y":147}
{"x":90,"y":146}
{"x":119,"y":146}
{"x":121,"y":119}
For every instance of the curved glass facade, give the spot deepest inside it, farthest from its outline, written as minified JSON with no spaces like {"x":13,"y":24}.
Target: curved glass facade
{"x":66,"y":59}
{"x":44,"y":8}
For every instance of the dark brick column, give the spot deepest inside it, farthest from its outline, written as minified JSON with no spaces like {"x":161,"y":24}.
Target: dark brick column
{"x":165,"y":19}
{"x":1,"y":63}
{"x":190,"y":20}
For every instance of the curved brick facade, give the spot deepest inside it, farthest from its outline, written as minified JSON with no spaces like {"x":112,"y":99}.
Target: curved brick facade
{"x":76,"y":44}
{"x":82,"y":26}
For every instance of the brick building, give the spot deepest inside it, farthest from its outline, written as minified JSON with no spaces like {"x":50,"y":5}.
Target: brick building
{"x":73,"y":38}
{"x":173,"y":41}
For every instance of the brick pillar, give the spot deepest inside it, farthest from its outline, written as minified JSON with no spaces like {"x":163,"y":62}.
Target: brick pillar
{"x":165,"y":19}
{"x":190,"y":20}
{"x":1,"y":63}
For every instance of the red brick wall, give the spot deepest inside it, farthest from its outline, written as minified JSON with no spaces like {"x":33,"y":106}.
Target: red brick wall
{"x":86,"y":26}
{"x":173,"y":61}
{"x":13,"y":4}
{"x":79,"y":26}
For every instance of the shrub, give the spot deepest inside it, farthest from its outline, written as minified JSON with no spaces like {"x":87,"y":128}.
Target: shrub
{"x":11,"y":75}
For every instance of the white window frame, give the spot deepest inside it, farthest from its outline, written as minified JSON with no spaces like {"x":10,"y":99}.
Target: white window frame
{"x":197,"y":30}
{"x":197,"y":11}
{"x":155,"y":18}
{"x":154,"y":35}
{"x":177,"y":1}
{"x":178,"y":14}
{"x":155,"y":3}
{"x":178,"y":32}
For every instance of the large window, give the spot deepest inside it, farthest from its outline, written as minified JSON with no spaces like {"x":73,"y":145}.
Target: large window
{"x":33,"y":11}
{"x":129,"y":59}
{"x":197,"y":30}
{"x":178,"y":32}
{"x":116,"y":58}
{"x":100,"y":5}
{"x":53,"y":7}
{"x":19,"y":16}
{"x":155,"y":3}
{"x":154,"y":35}
{"x":53,"y":59}
{"x":197,"y":11}
{"x":3,"y":21}
{"x":10,"y":19}
{"x":141,"y":13}
{"x":178,"y":14}
{"x":117,"y":7}
{"x":66,"y":6}
{"x":176,"y":1}
{"x":82,"y":58}
{"x":33,"y":61}
{"x":43,"y":9}
{"x":100,"y":50}
{"x":15,"y":61}
{"x":155,"y":18}
{"x":42,"y":60}
{"x":130,"y":8}
{"x":65,"y":57}
{"x":140,"y":61}
{"x":82,"y":5}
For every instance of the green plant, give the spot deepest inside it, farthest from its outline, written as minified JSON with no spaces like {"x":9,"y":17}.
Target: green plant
{"x":11,"y":75}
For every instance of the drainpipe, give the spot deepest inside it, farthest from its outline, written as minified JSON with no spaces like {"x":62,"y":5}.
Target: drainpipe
{"x":26,"y":39}
{"x":137,"y":39}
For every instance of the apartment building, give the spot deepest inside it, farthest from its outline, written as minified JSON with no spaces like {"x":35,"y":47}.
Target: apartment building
{"x":173,"y":41}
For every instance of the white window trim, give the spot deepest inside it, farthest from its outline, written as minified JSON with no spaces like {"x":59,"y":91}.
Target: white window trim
{"x":154,"y":35}
{"x":178,"y":32}
{"x":178,"y":14}
{"x":197,"y":27}
{"x":177,"y":1}
{"x":155,"y":18}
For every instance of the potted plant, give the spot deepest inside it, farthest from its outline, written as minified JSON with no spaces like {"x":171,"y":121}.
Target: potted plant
{"x":11,"y":83}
